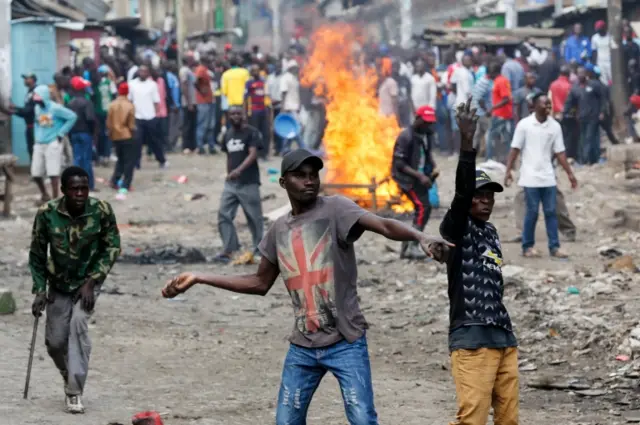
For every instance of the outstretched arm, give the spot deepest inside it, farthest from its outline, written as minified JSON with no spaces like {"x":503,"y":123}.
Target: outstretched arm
{"x":258,"y":283}
{"x":390,"y":228}
{"x":398,"y":231}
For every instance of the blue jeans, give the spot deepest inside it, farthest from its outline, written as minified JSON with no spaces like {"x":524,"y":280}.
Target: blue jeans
{"x":286,"y":146}
{"x":104,"y":143}
{"x":590,"y":141}
{"x":82,"y":144}
{"x":501,"y":129}
{"x":205,"y":127}
{"x":533,"y":197}
{"x":147,"y":132}
{"x":442,"y":115}
{"x":304,"y":369}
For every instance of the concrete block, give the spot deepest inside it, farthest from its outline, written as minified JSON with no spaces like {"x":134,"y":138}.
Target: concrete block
{"x":7,"y":302}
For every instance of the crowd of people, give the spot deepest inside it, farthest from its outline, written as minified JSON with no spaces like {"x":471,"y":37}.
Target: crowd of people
{"x":560,"y":96}
{"x":576,"y":75}
{"x":112,"y":110}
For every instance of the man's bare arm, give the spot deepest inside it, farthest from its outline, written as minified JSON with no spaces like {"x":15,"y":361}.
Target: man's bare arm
{"x":258,"y":283}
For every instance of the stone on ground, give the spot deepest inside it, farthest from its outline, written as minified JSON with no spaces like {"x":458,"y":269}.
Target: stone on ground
{"x":7,"y":302}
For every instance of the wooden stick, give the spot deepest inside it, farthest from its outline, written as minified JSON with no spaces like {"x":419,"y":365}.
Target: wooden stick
{"x":33,"y":346}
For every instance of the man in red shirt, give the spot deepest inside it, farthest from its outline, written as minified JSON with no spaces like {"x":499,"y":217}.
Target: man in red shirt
{"x":558,"y":93}
{"x":206,"y":108}
{"x":255,"y":100}
{"x":500,"y":130}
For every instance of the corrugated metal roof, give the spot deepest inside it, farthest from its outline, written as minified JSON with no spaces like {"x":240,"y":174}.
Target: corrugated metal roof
{"x":93,"y":9}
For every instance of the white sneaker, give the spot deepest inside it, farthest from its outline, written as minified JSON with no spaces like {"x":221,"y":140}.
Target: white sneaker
{"x":74,"y":404}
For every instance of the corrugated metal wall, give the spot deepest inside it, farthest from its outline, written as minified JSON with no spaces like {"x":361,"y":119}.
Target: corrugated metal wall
{"x":40,"y":58}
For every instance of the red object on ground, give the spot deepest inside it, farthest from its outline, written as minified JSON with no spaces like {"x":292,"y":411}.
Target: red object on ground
{"x":147,"y":418}
{"x":622,"y":358}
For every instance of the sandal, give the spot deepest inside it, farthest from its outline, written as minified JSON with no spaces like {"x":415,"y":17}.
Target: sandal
{"x":531,"y":253}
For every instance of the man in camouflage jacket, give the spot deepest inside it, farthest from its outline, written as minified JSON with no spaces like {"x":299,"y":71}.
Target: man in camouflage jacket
{"x":75,"y":242}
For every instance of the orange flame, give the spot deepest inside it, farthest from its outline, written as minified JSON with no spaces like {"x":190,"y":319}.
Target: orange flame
{"x":358,"y":141}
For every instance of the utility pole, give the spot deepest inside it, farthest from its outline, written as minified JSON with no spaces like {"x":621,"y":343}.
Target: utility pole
{"x":181,"y":30}
{"x":406,"y":23}
{"x":619,"y":93}
{"x":558,"y":7}
{"x":510,"y":14}
{"x":276,"y":7}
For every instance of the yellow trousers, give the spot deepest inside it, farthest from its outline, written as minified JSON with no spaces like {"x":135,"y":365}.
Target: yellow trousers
{"x":484,"y":378}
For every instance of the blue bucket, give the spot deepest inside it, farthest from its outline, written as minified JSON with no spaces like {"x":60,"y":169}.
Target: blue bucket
{"x":286,"y":126}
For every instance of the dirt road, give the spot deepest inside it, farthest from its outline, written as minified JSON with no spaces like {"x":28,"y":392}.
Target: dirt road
{"x":212,"y":357}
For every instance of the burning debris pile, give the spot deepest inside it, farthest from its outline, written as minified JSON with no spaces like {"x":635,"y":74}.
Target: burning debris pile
{"x":358,"y":141}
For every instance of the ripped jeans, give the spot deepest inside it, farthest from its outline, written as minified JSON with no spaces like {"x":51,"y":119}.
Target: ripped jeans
{"x":304,"y":369}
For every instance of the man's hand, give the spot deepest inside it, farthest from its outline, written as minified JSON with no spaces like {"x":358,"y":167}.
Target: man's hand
{"x":573,"y":181}
{"x":508,"y":178}
{"x":428,"y":242}
{"x":425,"y":181}
{"x":439,"y":252}
{"x":467,"y":121}
{"x":191,"y":107}
{"x":233,"y":175}
{"x":39,"y":303}
{"x":87,"y":296}
{"x":179,"y":285}
{"x":435,"y":173}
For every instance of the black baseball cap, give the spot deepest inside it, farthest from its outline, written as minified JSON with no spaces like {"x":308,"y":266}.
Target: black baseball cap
{"x":294,"y":159}
{"x":29,"y":75}
{"x":484,"y":182}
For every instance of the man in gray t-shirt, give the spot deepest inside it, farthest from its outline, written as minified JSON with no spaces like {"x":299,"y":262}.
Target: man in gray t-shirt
{"x":189,"y":113}
{"x":312,"y":247}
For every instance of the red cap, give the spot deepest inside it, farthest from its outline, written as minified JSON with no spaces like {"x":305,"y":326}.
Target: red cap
{"x":599,"y":25}
{"x":635,"y":101}
{"x":123,"y":89}
{"x":227,"y":47}
{"x":79,"y":83}
{"x":426,"y":113}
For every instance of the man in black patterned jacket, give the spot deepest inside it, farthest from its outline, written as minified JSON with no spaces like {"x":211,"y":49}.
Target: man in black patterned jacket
{"x":483,"y":347}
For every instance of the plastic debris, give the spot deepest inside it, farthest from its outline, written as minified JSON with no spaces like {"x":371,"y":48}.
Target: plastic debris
{"x":147,"y":418}
{"x":180,"y":179}
{"x":243,"y":259}
{"x":573,"y":290}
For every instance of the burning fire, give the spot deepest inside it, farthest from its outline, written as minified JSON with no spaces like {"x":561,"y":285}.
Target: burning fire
{"x":358,"y":141}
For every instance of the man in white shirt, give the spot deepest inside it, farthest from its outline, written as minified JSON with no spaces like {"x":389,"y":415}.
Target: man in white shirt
{"x":144,"y":94}
{"x":539,"y":138}
{"x":423,"y":87}
{"x":601,"y":51}
{"x":290,"y":92}
{"x":290,"y":88}
{"x":388,"y":97}
{"x":275,"y":95}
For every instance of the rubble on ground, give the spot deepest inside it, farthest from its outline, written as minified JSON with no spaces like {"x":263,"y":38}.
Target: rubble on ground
{"x":170,"y":254}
